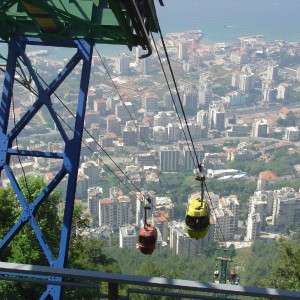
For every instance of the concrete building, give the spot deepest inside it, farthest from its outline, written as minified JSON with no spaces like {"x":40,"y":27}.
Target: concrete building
{"x":266,"y":180}
{"x":283,"y":91}
{"x":159,"y":135}
{"x":246,"y":82}
{"x":292,"y":134}
{"x":190,"y":101}
{"x":253,"y":226}
{"x":270,"y":95}
{"x":174,"y":132}
{"x":100,"y":106}
{"x":190,"y":159}
{"x":162,"y":118}
{"x":183,"y":48}
{"x":113,"y":124}
{"x":161,"y":221}
{"x":182,"y":244}
{"x":150,"y":102}
{"x":217,"y":117}
{"x":165,"y":204}
{"x":115,"y":211}
{"x":91,"y":169}
{"x":127,"y":237}
{"x":204,"y":89}
{"x":94,"y":195}
{"x":259,"y":128}
{"x":130,"y":136}
{"x":286,"y":209}
{"x":202,"y":118}
{"x":141,"y":201}
{"x":122,"y":63}
{"x":235,"y":79}
{"x":144,"y":132}
{"x":236,"y":98}
{"x":272,"y":72}
{"x":169,"y":159}
{"x":298,"y":74}
{"x":124,"y":111}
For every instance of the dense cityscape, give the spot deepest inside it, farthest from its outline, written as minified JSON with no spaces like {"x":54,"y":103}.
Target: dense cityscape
{"x":241,"y":102}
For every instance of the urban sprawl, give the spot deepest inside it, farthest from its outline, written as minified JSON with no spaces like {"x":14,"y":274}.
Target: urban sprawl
{"x":240,"y":99}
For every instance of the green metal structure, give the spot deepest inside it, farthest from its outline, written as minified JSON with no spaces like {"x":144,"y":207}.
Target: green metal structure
{"x":100,"y":21}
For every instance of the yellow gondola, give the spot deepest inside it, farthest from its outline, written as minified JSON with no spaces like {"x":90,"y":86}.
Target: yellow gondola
{"x":197,"y":218}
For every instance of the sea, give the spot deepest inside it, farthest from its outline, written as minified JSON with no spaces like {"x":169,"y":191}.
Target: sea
{"x":220,"y":21}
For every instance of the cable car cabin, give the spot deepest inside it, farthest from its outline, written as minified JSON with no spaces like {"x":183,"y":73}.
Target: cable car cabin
{"x":197,"y":218}
{"x":147,"y":239}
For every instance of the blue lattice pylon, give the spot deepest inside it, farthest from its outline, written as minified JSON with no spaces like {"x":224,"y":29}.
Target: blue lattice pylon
{"x":71,"y":155}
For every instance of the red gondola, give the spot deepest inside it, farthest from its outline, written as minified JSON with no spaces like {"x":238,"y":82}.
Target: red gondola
{"x":148,"y":235}
{"x":147,"y":239}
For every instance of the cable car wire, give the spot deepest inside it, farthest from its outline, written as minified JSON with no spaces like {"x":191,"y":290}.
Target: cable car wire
{"x":174,"y":102}
{"x":130,"y":114}
{"x":29,"y":87}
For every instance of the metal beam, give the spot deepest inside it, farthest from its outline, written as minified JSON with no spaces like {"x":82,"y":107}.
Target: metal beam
{"x":149,"y":281}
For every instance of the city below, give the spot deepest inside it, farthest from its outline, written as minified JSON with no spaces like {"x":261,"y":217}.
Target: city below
{"x":242,"y":104}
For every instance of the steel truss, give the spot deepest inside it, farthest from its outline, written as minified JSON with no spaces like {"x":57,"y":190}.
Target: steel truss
{"x":72,"y":146}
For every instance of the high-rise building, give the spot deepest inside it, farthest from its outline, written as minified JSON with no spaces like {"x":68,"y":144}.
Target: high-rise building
{"x":259,"y":128}
{"x":144,"y":132}
{"x":182,"y":244}
{"x":165,"y":204}
{"x":254,"y":224}
{"x":113,"y":124}
{"x":202,"y":118}
{"x":100,"y":106}
{"x":92,"y":170}
{"x":298,"y":74}
{"x":115,"y":211}
{"x":204,"y":89}
{"x":270,"y":95}
{"x":141,"y":201}
{"x":235,"y":79}
{"x":123,"y":111}
{"x":130,"y":136}
{"x":94,"y":195}
{"x":122,"y":63}
{"x":235,"y":98}
{"x":272,"y":72}
{"x":282,"y":91}
{"x":174,"y":132}
{"x":217,"y":116}
{"x":162,"y":119}
{"x":183,"y":48}
{"x":150,"y":102}
{"x":286,"y":209}
{"x":169,"y":159}
{"x":127,"y":237}
{"x":292,"y":134}
{"x":190,"y":159}
{"x":159,"y":135}
{"x":190,"y":101}
{"x":225,"y":215}
{"x":246,"y":82}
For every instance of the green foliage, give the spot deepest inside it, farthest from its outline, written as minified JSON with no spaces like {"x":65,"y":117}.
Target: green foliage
{"x":284,"y":273}
{"x":282,"y":164}
{"x":288,"y":122}
{"x":24,"y":248}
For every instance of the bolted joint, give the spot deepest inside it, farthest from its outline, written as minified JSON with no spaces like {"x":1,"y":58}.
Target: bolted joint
{"x":67,"y":164}
{"x":3,"y":149}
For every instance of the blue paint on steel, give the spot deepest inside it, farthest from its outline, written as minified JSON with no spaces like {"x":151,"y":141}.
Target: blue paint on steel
{"x":70,"y":157}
